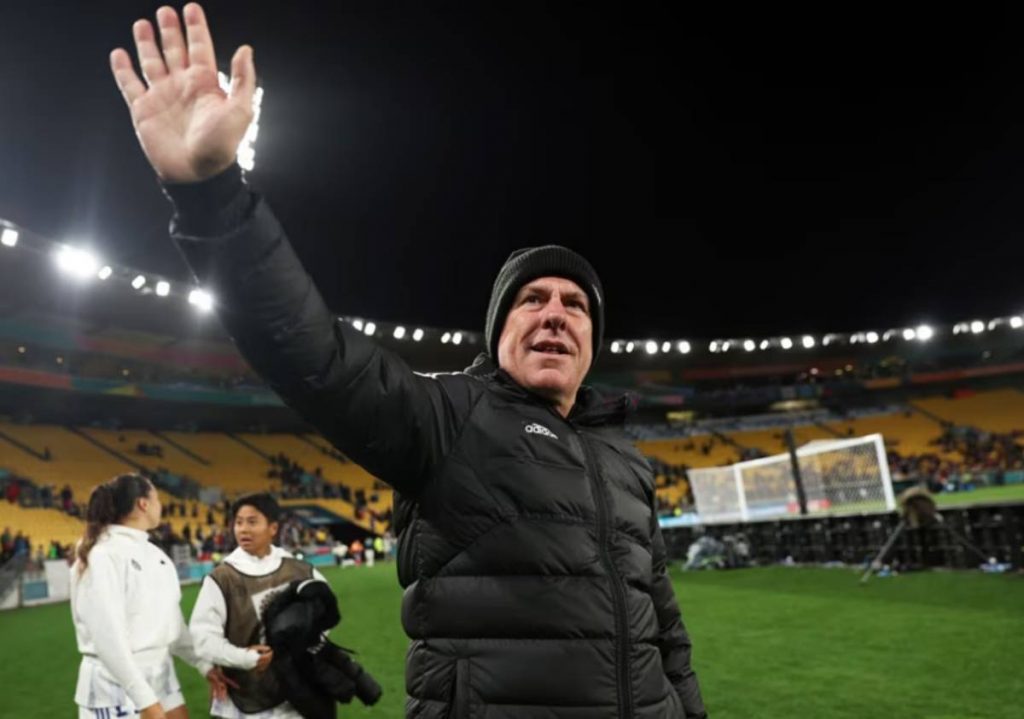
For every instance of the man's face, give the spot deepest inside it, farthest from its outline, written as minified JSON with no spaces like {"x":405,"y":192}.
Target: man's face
{"x":546,"y":343}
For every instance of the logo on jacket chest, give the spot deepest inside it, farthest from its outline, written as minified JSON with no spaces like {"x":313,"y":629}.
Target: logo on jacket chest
{"x":535,"y":428}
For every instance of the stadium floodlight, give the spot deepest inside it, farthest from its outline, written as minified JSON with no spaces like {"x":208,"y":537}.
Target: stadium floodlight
{"x":370,"y":329}
{"x":163,"y":288}
{"x":105,"y":272}
{"x":399,"y":333}
{"x":909,"y":333}
{"x":358,"y":324}
{"x":201,"y":299}
{"x":683,"y":346}
{"x":992,"y":324}
{"x":139,"y":281}
{"x":977,"y":327}
{"x":749,"y":345}
{"x":457,"y":338}
{"x":1016,"y":322}
{"x":9,"y":237}
{"x":246,"y":148}
{"x":616,"y":347}
{"x":765,"y":344}
{"x":726,"y":345}
{"x":786,"y":343}
{"x":630,"y":347}
{"x":925,"y":333}
{"x":76,"y":262}
{"x":807,"y":341}
{"x":417,"y":335}
{"x":651,"y":347}
{"x":872,"y":337}
{"x":713,"y":347}
{"x":446,"y":338}
{"x":666,"y":347}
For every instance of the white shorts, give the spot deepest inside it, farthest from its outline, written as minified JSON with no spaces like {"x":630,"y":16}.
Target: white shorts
{"x":171,"y":701}
{"x":100,"y":697}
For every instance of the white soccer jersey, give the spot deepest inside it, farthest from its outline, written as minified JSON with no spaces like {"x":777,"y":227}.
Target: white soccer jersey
{"x":128,"y":622}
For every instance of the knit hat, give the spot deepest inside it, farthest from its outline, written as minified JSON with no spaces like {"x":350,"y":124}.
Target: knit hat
{"x":528,"y":264}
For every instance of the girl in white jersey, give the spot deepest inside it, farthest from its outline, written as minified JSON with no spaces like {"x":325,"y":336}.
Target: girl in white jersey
{"x":125,"y":603}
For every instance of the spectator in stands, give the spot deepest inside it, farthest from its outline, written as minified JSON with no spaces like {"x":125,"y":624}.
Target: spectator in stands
{"x":225,"y":619}
{"x":22,"y":544}
{"x":127,"y":664}
{"x":66,"y":498}
{"x":6,"y":544}
{"x":13,"y":491}
{"x":40,"y":557}
{"x":518,"y":429}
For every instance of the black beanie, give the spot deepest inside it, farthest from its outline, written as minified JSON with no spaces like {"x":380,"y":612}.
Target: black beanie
{"x":528,"y":264}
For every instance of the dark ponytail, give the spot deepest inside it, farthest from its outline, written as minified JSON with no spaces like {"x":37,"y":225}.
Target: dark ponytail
{"x":109,"y":503}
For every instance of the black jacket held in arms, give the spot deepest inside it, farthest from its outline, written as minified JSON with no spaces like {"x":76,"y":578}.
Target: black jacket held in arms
{"x":313,"y":671}
{"x":529,"y":547}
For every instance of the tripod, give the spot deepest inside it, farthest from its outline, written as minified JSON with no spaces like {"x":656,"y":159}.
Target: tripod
{"x":918,"y":510}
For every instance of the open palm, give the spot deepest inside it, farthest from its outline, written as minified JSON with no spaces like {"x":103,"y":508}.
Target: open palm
{"x":188,"y":127}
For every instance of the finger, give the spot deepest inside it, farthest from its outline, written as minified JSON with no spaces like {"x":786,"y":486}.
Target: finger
{"x":173,"y":42}
{"x":243,"y":77}
{"x":150,"y":59}
{"x":124,"y":75}
{"x":200,"y":44}
{"x":229,"y":681}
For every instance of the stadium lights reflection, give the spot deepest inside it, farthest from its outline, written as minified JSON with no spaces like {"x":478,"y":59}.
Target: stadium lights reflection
{"x":78,"y":263}
{"x":163,"y":288}
{"x":201,"y":299}
{"x":9,"y":237}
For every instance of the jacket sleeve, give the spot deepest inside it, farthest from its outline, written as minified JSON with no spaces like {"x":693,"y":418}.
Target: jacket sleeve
{"x":361,"y":397}
{"x":673,"y":640}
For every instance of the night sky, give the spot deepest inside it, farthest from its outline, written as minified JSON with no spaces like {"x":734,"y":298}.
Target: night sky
{"x":728,"y":171}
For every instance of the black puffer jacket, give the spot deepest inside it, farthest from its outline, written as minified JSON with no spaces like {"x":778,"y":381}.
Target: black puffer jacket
{"x":529,"y":549}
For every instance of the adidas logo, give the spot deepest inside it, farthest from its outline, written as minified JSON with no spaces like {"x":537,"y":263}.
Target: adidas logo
{"x":540,"y":429}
